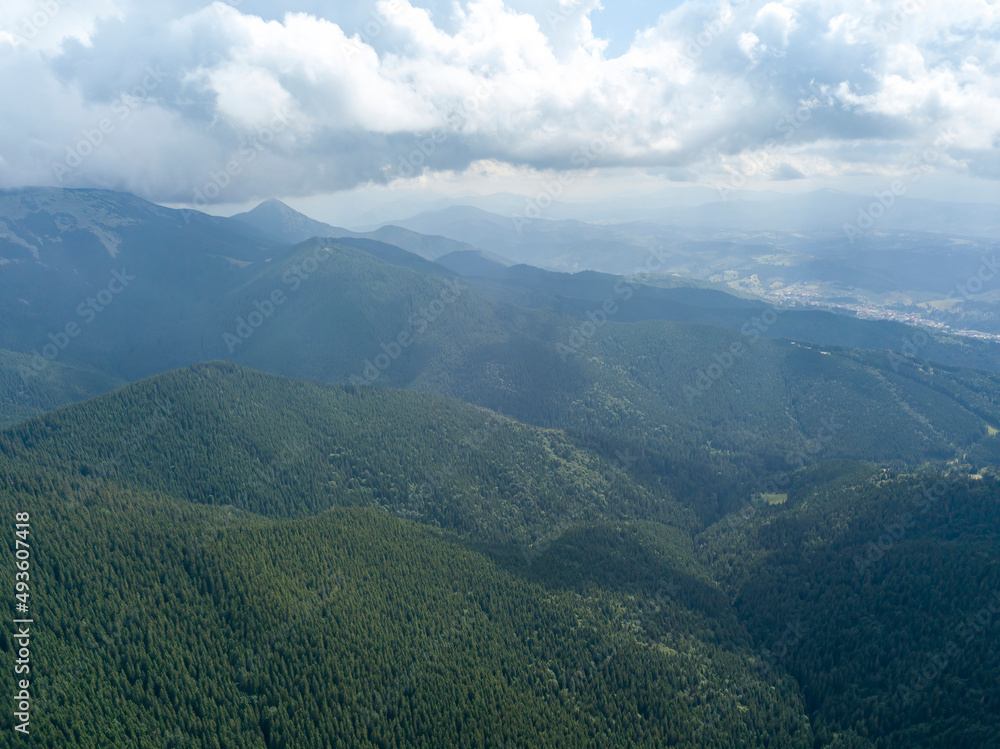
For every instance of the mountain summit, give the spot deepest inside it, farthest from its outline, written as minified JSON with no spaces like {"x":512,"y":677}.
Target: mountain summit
{"x":283,"y":223}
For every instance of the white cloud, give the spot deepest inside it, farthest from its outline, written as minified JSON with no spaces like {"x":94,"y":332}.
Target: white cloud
{"x":774,"y":24}
{"x":392,"y":89}
{"x":751,"y":46}
{"x":46,"y":24}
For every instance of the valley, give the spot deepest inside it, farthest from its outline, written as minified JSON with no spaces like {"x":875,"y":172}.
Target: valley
{"x":334,"y":488}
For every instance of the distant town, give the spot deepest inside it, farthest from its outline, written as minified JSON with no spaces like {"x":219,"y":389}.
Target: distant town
{"x":798,"y":296}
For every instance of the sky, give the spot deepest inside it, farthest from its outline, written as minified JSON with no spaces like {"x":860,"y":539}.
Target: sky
{"x":225,"y":104}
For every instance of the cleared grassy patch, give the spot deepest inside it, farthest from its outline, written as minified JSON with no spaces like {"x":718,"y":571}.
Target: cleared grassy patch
{"x":774,"y":499}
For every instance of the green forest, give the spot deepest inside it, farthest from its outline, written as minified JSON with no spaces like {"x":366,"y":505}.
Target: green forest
{"x":228,"y":558}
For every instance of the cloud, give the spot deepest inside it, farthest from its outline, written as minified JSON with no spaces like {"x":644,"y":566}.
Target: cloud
{"x":46,"y":24}
{"x":786,"y":172}
{"x":299,"y":103}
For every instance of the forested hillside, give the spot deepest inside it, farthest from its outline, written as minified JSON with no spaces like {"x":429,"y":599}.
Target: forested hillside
{"x":229,"y":558}
{"x":25,"y":391}
{"x":224,"y":435}
{"x":169,"y":621}
{"x":880,"y":594}
{"x":708,"y":412}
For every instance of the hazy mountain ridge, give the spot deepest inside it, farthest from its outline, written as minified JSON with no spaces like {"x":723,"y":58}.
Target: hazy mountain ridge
{"x":583,"y":352}
{"x":25,"y":393}
{"x":823,"y":210}
{"x":897,"y":271}
{"x":284,"y":224}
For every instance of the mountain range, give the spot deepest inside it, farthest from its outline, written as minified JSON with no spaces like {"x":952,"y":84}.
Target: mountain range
{"x":292,"y":485}
{"x":653,"y":367}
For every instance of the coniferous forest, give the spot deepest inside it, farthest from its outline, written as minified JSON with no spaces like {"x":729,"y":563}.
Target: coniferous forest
{"x":227,"y":558}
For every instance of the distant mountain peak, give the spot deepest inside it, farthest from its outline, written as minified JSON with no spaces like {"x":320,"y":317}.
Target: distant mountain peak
{"x":275,"y":208}
{"x":284,"y":223}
